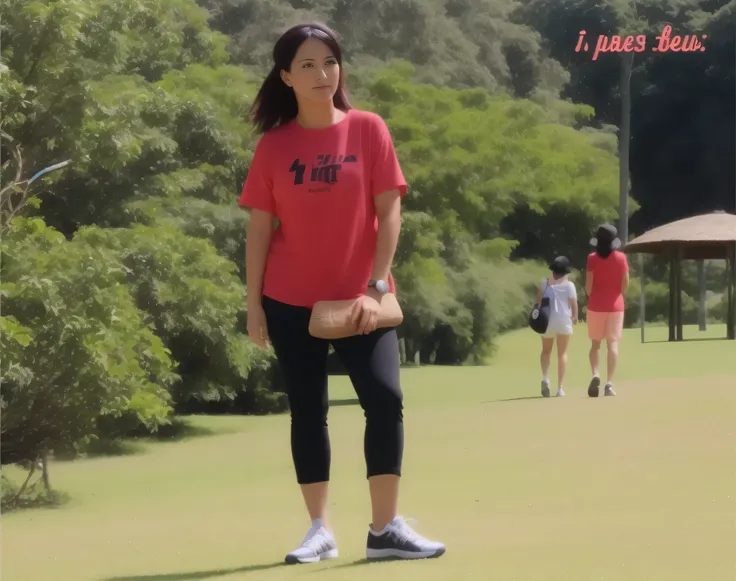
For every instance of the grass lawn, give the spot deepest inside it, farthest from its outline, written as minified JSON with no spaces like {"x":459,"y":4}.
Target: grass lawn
{"x":641,"y":487}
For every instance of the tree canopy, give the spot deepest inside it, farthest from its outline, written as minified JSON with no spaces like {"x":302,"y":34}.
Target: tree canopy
{"x":123,"y":273}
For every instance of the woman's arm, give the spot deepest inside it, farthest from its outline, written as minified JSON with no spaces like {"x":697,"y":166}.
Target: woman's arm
{"x":573,"y":301}
{"x":540,"y":292}
{"x":624,"y":282}
{"x":257,"y":242}
{"x":588,"y":282}
{"x":388,"y":211}
{"x":574,"y":308}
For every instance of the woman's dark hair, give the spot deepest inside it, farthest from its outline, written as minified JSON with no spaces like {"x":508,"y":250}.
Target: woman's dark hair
{"x":606,"y":240}
{"x":275,"y":103}
{"x":560,"y":267}
{"x":603,"y":249}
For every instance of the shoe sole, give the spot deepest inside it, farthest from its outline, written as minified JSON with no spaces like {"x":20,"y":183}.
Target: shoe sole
{"x":545,"y":389}
{"x":594,"y":386}
{"x":294,"y":560}
{"x":385,"y":554}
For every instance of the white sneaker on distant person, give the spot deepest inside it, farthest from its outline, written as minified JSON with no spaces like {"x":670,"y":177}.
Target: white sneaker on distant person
{"x":608,"y":391}
{"x":560,"y":392}
{"x":399,"y":541}
{"x":318,"y":544}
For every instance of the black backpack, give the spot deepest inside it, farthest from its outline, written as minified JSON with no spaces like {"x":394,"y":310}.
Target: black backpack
{"x":539,"y":315}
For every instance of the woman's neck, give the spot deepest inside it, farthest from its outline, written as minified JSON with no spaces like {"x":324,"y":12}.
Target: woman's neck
{"x":318,"y":115}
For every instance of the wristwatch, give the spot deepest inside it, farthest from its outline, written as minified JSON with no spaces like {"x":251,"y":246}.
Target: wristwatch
{"x":380,"y":285}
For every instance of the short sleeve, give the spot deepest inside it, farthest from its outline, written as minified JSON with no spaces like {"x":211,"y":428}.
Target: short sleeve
{"x":624,"y":263}
{"x":386,"y":171}
{"x":258,"y":188}
{"x":572,"y":291}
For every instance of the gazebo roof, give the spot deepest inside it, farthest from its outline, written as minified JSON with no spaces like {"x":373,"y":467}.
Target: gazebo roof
{"x":700,"y":237}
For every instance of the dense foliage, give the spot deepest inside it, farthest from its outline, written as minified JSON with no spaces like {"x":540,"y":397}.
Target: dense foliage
{"x":122,"y":275}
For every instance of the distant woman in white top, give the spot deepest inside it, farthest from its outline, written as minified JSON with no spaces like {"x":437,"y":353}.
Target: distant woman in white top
{"x":563,"y":314}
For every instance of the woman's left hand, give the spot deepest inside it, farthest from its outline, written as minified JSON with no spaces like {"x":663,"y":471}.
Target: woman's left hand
{"x":365,"y":314}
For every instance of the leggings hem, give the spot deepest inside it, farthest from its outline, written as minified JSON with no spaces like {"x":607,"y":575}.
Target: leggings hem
{"x":394,"y":472}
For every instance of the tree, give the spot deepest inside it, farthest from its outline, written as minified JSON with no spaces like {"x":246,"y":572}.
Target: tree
{"x":78,"y":86}
{"x":682,"y":145}
{"x":474,"y":161}
{"x":194,"y":302}
{"x":75,"y":347}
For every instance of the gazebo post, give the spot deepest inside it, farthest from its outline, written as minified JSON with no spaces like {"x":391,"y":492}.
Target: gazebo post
{"x":680,"y":253}
{"x":731,"y":310}
{"x":642,"y":296}
{"x":702,"y":311}
{"x":672,"y":311}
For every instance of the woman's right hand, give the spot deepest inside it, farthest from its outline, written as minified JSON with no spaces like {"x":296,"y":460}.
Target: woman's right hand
{"x":257,"y":330}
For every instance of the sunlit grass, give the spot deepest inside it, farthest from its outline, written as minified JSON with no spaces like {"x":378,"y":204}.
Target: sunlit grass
{"x":634,"y":488}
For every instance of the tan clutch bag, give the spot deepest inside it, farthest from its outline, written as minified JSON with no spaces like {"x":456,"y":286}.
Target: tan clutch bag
{"x":331,"y":319}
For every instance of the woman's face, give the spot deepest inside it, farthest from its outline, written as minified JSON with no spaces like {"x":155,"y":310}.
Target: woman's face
{"x":314,"y":73}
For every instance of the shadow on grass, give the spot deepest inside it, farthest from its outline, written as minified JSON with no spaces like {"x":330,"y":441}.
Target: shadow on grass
{"x":344,"y":402}
{"x":105,"y":447}
{"x":688,"y":340}
{"x":199,"y":575}
{"x":515,"y":399}
{"x":134,"y":443}
{"x":357,"y":563}
{"x":179,"y":429}
{"x":364,"y":561}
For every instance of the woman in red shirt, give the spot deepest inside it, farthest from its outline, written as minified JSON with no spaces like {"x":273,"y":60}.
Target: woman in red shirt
{"x":330,"y":174}
{"x":606,"y":280}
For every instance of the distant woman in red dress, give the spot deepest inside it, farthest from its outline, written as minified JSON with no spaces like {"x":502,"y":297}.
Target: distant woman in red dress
{"x":606,"y":280}
{"x":330,"y":174}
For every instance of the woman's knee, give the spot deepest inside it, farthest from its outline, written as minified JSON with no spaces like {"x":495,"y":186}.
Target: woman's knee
{"x":308,"y":413}
{"x":383,"y":403}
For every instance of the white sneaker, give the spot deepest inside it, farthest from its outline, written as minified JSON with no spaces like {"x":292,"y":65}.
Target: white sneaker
{"x":399,"y":540}
{"x":560,"y":392}
{"x":318,"y":545}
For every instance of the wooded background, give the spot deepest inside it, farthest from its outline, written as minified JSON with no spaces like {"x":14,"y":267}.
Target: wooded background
{"x":123,"y":297}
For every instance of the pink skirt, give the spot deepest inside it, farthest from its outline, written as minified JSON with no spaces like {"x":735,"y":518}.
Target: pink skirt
{"x":608,"y":326}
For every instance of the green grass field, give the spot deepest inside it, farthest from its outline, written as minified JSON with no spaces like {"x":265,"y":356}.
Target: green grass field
{"x":641,"y":487}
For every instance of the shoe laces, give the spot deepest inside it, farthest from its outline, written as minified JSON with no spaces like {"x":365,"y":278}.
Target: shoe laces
{"x":314,"y":539}
{"x":401,"y":525}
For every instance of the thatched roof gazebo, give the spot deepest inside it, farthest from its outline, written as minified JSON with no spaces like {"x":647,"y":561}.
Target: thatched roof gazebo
{"x":708,"y":236}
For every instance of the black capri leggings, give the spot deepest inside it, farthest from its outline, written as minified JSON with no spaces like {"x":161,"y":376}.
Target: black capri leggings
{"x":372,"y":362}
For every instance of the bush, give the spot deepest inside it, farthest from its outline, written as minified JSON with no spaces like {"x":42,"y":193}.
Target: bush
{"x":470,"y":309}
{"x":78,"y":348}
{"x":657,"y":304}
{"x":717,"y":309}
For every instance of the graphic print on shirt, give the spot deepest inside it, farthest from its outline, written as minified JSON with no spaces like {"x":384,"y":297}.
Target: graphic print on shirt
{"x":324,"y":170}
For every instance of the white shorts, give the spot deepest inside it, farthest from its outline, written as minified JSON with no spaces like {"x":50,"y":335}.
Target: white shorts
{"x":558,"y":326}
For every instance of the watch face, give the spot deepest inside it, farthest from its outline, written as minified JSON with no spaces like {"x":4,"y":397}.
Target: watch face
{"x":382,"y":286}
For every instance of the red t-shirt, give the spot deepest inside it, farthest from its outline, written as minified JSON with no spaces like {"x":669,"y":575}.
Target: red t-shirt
{"x":606,"y":295}
{"x":320,"y":184}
